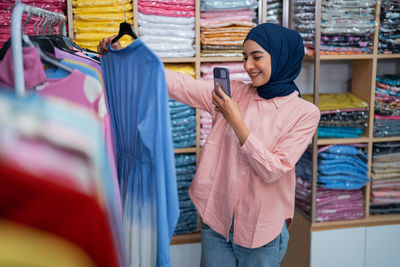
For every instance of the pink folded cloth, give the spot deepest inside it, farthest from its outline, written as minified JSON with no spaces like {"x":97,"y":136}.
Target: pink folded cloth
{"x":386,"y":117}
{"x":167,"y":6}
{"x":165,"y":12}
{"x":331,"y":204}
{"x":244,"y":77}
{"x":232,"y":20}
{"x":234,"y":67}
{"x":227,"y":13}
{"x":175,"y":2}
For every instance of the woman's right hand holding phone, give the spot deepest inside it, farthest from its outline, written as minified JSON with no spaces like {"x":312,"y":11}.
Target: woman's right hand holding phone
{"x":102,"y":47}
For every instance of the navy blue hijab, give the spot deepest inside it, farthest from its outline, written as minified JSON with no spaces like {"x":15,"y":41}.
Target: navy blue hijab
{"x":287,"y":51}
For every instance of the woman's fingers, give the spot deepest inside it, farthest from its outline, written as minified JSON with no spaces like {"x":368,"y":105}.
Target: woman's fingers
{"x":102,"y":47}
{"x":221,"y":92}
{"x":215,"y":98}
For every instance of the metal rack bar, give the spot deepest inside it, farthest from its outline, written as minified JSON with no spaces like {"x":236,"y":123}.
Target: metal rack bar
{"x":16,"y":38}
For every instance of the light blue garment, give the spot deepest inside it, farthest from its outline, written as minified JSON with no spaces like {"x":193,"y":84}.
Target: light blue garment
{"x":137,"y":95}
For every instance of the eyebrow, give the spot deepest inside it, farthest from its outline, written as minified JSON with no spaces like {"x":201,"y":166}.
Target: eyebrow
{"x":253,"y":52}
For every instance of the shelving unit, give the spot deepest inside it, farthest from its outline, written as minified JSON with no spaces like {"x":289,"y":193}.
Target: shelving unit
{"x":304,"y":246}
{"x":364,"y":70}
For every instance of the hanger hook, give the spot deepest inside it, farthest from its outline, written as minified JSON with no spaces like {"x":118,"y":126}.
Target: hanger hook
{"x":40,"y":24}
{"x":50,"y":24}
{"x":26,"y":22}
{"x":53,"y":25}
{"x":35,"y":26}
{"x":44,"y":24}
{"x":123,"y":6}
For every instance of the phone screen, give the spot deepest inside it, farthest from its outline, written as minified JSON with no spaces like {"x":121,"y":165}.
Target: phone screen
{"x":221,"y":76}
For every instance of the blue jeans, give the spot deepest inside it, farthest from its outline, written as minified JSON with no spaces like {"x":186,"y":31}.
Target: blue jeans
{"x":216,"y":251}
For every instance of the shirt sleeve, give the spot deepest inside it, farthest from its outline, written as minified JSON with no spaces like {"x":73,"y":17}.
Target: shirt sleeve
{"x":271,"y":165}
{"x":185,"y":89}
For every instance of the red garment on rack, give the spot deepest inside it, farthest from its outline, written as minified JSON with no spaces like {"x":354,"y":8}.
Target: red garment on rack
{"x":40,"y":203}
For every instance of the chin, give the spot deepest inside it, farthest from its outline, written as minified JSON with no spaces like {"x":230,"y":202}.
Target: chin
{"x":256,"y":83}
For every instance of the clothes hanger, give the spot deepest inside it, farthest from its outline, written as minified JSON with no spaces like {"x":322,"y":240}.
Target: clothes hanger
{"x":124,"y":28}
{"x":44,"y":57}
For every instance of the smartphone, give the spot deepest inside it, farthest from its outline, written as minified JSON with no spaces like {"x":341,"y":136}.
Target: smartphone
{"x":221,"y":76}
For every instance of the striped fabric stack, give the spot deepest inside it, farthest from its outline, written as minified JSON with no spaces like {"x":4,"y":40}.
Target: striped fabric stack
{"x":6,"y":10}
{"x":224,"y":25}
{"x":185,"y":169}
{"x":385,"y":186}
{"x":167,"y":27}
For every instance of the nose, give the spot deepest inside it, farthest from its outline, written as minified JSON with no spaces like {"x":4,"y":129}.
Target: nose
{"x":248,"y":64}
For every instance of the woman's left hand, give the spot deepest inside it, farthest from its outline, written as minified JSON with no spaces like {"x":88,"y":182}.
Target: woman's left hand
{"x":229,"y":108}
{"x":226,"y":106}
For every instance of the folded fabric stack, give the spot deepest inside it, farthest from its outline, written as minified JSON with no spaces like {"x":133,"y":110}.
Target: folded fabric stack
{"x":389,"y":28}
{"x":167,"y":27}
{"x":183,"y":117}
{"x":387,"y":106}
{"x":385,"y":185}
{"x":95,"y":20}
{"x":274,"y":11}
{"x":224,"y":26}
{"x":343,"y":115}
{"x":185,"y":169}
{"x":339,"y":167}
{"x":304,"y":20}
{"x":6,"y":10}
{"x":183,"y":124}
{"x":347,"y":27}
{"x":331,"y":205}
{"x":387,"y":95}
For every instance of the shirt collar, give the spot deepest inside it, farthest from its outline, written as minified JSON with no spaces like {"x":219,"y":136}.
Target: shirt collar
{"x":278,"y":101}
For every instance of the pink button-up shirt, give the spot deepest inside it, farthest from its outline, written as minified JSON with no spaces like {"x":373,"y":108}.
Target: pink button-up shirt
{"x":255,"y":181}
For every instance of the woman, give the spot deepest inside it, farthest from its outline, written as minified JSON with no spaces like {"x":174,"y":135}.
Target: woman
{"x":244,"y":187}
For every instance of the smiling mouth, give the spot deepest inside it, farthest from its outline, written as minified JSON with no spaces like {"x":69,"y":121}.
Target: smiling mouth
{"x":254,"y":74}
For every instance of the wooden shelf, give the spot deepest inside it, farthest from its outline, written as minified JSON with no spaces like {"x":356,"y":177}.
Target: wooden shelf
{"x":185,"y":150}
{"x":179,"y":60}
{"x":346,"y":57}
{"x":221,"y":59}
{"x":341,"y":57}
{"x":202,"y":59}
{"x":186,"y":239}
{"x":385,"y":139}
{"x":337,"y":141}
{"x":389,"y":56}
{"x":372,"y":220}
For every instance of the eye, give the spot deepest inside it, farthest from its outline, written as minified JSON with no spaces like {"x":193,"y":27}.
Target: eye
{"x":257,"y":58}
{"x":244,"y":59}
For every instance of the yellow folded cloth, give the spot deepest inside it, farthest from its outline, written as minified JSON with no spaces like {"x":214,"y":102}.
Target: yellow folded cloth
{"x":184,"y":68}
{"x":337,"y":101}
{"x":103,"y":9}
{"x":86,"y":3}
{"x":117,"y":16}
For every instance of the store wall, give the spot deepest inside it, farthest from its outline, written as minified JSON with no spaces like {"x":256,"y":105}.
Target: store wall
{"x":187,"y":255}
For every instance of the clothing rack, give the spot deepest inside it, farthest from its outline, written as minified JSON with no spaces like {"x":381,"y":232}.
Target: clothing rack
{"x":51,"y":19}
